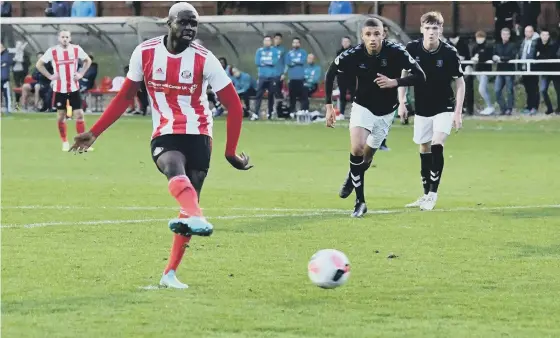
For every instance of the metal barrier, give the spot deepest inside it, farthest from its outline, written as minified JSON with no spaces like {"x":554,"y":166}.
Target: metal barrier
{"x":527,"y":71}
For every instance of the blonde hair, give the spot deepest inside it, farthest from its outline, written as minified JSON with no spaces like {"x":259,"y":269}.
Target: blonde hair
{"x":432,"y":18}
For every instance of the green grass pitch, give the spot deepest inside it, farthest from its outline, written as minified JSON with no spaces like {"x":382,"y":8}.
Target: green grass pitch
{"x":83,"y":235}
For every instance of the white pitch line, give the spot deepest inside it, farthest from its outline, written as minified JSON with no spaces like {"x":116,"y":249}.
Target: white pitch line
{"x":124,"y":221}
{"x":316,"y":212}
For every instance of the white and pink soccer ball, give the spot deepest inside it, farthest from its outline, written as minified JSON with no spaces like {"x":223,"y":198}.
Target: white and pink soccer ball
{"x":328,"y":268}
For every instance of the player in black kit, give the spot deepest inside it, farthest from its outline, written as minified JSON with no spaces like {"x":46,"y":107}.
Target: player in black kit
{"x":377,"y":64}
{"x":437,"y":107}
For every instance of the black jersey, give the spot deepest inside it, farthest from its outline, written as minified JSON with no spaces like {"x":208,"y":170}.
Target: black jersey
{"x":441,"y":66}
{"x":357,"y":63}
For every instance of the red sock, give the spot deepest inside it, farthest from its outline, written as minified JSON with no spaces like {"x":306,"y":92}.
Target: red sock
{"x":182,"y":189}
{"x":62,"y":130}
{"x":178,"y":248}
{"x":80,"y":126}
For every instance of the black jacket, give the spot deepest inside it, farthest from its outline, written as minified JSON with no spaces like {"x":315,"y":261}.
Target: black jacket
{"x":485,"y":52}
{"x":506,"y":52}
{"x":547,"y":51}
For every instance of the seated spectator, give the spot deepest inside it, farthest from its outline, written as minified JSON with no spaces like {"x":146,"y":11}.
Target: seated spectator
{"x":20,"y":66}
{"x":312,"y":75}
{"x":245,"y":87}
{"x":40,"y":87}
{"x":482,"y":52}
{"x":548,"y":49}
{"x":88,"y":81}
{"x":84,"y":9}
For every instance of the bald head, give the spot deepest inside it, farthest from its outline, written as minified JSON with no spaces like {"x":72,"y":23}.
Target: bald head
{"x":180,"y":7}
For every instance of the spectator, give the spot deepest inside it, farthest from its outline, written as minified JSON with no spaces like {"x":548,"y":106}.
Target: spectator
{"x":226,"y":66}
{"x":504,"y":12}
{"x":40,"y":87}
{"x":503,"y":52}
{"x":312,"y":75}
{"x":6,"y":63}
{"x":266,"y":59}
{"x":84,"y":9}
{"x":6,"y":9}
{"x":59,"y":9}
{"x":280,"y":66}
{"x":340,"y":7}
{"x":529,"y":12}
{"x":244,"y":85}
{"x":295,"y":61}
{"x":88,"y":81}
{"x":482,"y":52}
{"x":528,"y":51}
{"x":548,"y":49}
{"x":345,"y":83}
{"x":20,"y":65}
{"x":464,"y":53}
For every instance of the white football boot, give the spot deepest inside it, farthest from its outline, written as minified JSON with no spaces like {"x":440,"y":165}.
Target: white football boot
{"x":65,"y":146}
{"x":430,"y":202}
{"x":170,"y":280}
{"x":417,"y":203}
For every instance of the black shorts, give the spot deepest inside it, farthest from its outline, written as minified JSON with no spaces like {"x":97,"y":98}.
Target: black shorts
{"x":74,"y":98}
{"x":197,"y":149}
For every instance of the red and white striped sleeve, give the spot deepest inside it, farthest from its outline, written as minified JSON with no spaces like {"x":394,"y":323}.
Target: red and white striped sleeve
{"x":135,"y":70}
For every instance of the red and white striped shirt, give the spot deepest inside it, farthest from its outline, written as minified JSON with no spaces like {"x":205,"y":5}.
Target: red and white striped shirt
{"x":65,"y":64}
{"x":177,"y":85}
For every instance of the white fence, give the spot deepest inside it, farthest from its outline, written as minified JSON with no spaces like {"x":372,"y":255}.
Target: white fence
{"x":527,"y":71}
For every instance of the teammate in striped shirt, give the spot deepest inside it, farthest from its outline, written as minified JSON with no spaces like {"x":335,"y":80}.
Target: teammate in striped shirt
{"x":64,"y":58}
{"x":177,"y":72}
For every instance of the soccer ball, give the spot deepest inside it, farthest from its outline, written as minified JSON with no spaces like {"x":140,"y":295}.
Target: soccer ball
{"x":328,"y":268}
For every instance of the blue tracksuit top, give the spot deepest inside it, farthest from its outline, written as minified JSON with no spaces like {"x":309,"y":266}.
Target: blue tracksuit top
{"x":6,"y":60}
{"x":242,"y":83}
{"x":295,"y":61}
{"x":281,"y":66}
{"x":266,"y":60}
{"x":312,"y":75}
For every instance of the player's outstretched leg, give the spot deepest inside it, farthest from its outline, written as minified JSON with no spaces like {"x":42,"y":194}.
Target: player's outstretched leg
{"x":180,"y":244}
{"x":436,"y":169}
{"x":425,"y":167}
{"x":358,"y":137}
{"x":172,"y":164}
{"x":61,"y":121}
{"x":81,"y":123}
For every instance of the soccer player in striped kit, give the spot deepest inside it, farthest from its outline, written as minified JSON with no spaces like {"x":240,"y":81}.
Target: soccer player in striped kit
{"x":64,"y":58}
{"x":177,"y":72}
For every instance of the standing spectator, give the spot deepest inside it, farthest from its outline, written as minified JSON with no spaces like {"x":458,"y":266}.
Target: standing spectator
{"x":482,"y":52}
{"x":266,"y":59}
{"x":548,"y":49}
{"x":312,"y":75}
{"x":503,"y":52}
{"x":84,"y":9}
{"x":345,"y":83}
{"x":6,"y":62}
{"x":504,"y":13}
{"x":295,"y":61}
{"x":7,"y":33}
{"x":340,"y":7}
{"x":20,"y":65}
{"x":59,"y":9}
{"x":529,"y":12}
{"x":88,"y":81}
{"x":244,"y":85}
{"x":280,"y":66}
{"x":6,"y":9}
{"x":464,"y":53}
{"x":528,"y":51}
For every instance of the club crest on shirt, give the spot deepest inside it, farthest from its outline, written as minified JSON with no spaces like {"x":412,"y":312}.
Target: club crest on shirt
{"x":439,"y":63}
{"x":193,"y":88}
{"x":383,"y":62}
{"x":186,"y":74}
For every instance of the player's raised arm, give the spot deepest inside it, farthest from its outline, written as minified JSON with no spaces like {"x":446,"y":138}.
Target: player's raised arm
{"x":117,"y":106}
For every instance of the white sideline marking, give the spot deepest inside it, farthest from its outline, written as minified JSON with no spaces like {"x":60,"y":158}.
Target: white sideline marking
{"x":123,"y":221}
{"x":316,"y":212}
